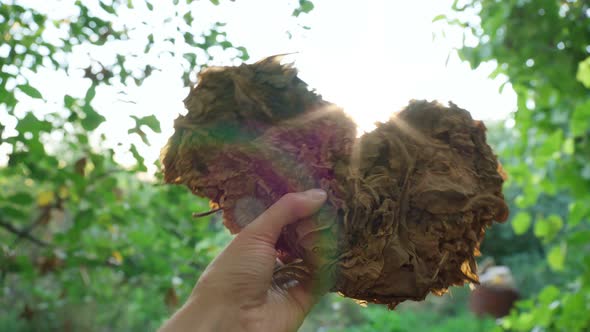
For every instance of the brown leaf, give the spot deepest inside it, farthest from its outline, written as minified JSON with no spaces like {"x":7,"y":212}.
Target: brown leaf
{"x":171,"y":299}
{"x":408,"y":203}
{"x":27,"y":313}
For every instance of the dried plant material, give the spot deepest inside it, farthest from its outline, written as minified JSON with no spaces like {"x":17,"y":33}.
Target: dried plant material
{"x":408,"y":203}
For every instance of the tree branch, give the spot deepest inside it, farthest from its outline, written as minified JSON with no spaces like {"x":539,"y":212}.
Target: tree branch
{"x":23,"y":234}
{"x":43,"y":217}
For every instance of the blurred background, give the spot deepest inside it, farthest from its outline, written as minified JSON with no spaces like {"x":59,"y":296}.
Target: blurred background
{"x":91,"y":240}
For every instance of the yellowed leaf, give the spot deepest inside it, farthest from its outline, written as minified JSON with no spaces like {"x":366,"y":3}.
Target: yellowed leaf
{"x":45,"y":198}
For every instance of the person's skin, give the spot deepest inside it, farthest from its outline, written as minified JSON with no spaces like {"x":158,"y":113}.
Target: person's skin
{"x":235,"y":292}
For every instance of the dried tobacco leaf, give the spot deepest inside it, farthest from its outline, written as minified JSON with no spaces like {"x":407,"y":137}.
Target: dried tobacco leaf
{"x":408,"y":203}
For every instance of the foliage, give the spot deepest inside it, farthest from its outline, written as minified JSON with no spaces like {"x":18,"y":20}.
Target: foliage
{"x":444,"y":313}
{"x":88,"y":244}
{"x":379,"y":319}
{"x":543,"y":48}
{"x":511,"y":244}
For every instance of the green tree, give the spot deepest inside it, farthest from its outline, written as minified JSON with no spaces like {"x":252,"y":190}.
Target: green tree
{"x":85,"y":243}
{"x":543,"y":48}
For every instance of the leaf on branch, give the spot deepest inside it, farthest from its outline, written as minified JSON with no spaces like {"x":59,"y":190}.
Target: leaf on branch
{"x":244,"y":53}
{"x":150,"y":121}
{"x":580,"y":238}
{"x":45,"y":198}
{"x":140,"y":160}
{"x":92,"y":119}
{"x":109,"y":9}
{"x":521,"y":223}
{"x":116,"y":257}
{"x":188,"y":18}
{"x":439,"y":17}
{"x":577,"y":212}
{"x":556,"y":257}
{"x":305,"y":6}
{"x":583,"y":74}
{"x":30,"y":91}
{"x":30,"y":123}
{"x":90,"y":93}
{"x":21,"y":198}
{"x":69,"y":101}
{"x":12,"y":213}
{"x":579,"y":122}
{"x":548,"y":228}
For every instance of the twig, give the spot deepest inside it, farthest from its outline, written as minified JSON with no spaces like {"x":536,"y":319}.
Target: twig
{"x":12,"y":229}
{"x":44,"y":216}
{"x":204,"y":214}
{"x":173,"y":232}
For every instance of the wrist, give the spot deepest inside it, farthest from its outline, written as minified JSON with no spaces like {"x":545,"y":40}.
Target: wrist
{"x":196,"y":316}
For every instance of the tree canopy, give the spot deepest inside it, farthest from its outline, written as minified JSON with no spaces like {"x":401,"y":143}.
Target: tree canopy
{"x":85,"y":241}
{"x":91,"y":244}
{"x":543,"y":48}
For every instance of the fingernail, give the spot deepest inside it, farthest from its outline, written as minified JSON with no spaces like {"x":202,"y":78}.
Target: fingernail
{"x":316,"y":194}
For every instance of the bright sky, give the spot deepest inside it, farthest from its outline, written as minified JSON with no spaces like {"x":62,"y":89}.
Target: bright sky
{"x":371,"y":57}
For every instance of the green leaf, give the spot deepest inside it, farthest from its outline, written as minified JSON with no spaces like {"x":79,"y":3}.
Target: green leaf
{"x":21,"y":198}
{"x":90,"y":93}
{"x":140,"y":160}
{"x":580,"y":121}
{"x":82,"y":220}
{"x":31,"y":124}
{"x":521,"y":222}
{"x":244,"y":56}
{"x":471,"y":55}
{"x":549,"y":294}
{"x":551,"y":145}
{"x":305,"y":6}
{"x":583,"y":75}
{"x":577,"y":212}
{"x":225,"y":44}
{"x":556,"y":257}
{"x":439,"y":17}
{"x":151,"y":121}
{"x":140,"y":133}
{"x":82,"y":138}
{"x":215,"y":2}
{"x":107,"y":8}
{"x":69,"y":101}
{"x":548,"y":228}
{"x":11,"y":213}
{"x":569,"y":147}
{"x":528,"y":198}
{"x":92,"y":119}
{"x":188,"y":18}
{"x":189,"y":39}
{"x":149,"y":5}
{"x":30,"y":91}
{"x":579,"y":238}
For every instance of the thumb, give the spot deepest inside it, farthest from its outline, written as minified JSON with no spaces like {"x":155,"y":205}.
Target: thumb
{"x":290,"y":208}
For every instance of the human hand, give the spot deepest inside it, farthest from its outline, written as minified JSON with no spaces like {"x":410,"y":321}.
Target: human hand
{"x":235,"y":292}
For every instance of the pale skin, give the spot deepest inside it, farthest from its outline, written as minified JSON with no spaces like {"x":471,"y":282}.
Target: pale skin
{"x":235,"y":292}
